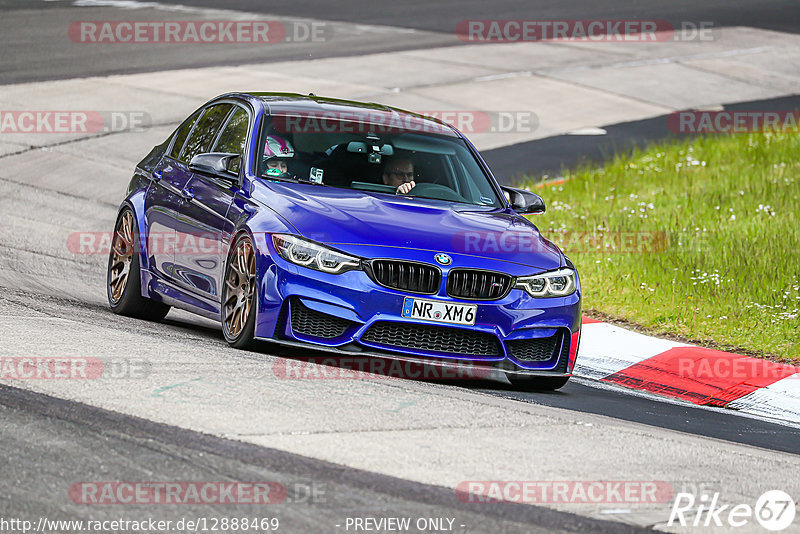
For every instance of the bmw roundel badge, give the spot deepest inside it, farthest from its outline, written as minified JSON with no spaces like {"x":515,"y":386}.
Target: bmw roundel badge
{"x":443,"y":259}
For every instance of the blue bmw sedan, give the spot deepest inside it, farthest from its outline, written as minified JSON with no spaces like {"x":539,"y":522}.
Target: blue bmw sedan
{"x":348,"y":227}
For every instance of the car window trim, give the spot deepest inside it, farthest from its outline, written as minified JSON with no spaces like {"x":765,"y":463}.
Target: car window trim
{"x":222,"y":127}
{"x":205,"y":110}
{"x":250,"y":121}
{"x":174,"y":137}
{"x":227,"y":122}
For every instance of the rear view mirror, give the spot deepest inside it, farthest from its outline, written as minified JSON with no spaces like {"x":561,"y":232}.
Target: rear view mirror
{"x":523,"y":201}
{"x":373,"y":152}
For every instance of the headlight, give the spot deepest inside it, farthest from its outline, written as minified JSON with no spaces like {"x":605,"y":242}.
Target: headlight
{"x":314,"y":256}
{"x":558,"y":283}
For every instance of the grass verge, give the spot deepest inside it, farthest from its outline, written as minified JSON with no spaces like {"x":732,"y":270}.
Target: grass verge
{"x":699,"y":239}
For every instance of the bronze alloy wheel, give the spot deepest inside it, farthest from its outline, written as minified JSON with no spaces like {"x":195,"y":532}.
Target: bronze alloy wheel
{"x":240,"y":285}
{"x":121,"y":257}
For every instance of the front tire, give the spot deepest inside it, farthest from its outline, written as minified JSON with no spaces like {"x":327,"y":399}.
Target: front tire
{"x":123,"y":278}
{"x":238,"y":310}
{"x":537,"y":383}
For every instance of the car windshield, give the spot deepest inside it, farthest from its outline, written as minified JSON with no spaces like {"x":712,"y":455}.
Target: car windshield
{"x":378,"y":158}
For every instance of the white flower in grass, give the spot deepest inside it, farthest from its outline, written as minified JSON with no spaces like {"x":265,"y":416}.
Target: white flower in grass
{"x":765,"y":208}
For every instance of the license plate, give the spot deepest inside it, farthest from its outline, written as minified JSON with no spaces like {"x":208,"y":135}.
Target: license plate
{"x":439,"y":312}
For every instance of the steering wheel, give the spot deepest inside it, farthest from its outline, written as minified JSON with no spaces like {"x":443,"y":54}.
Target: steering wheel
{"x":440,"y":192}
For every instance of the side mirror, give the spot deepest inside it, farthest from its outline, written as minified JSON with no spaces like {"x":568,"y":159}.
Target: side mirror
{"x":523,"y":201}
{"x":222,"y":165}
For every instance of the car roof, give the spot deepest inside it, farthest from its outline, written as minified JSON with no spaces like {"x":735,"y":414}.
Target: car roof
{"x":289,"y":104}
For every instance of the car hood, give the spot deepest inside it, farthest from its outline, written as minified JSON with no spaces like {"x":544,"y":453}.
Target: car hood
{"x":341,"y":217}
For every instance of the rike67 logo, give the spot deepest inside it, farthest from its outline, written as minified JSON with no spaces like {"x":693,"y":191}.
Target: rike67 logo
{"x":774,"y":510}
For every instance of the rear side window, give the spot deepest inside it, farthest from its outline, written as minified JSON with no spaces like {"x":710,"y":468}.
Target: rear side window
{"x":203,"y":135}
{"x":182,"y":134}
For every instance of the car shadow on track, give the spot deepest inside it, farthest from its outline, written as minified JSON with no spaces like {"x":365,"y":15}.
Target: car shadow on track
{"x":315,"y":364}
{"x":312,"y":363}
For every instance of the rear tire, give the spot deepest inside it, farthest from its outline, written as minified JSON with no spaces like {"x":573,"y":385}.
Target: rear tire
{"x":537,"y":383}
{"x":123,"y":277}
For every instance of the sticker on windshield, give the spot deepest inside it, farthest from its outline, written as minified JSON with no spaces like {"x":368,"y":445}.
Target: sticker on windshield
{"x":486,"y":200}
{"x":315,"y":175}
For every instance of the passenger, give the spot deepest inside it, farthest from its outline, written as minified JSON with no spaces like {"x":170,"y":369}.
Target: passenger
{"x":278,"y":152}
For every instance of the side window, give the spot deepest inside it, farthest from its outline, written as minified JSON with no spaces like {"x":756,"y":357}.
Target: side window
{"x":234,"y":136}
{"x":204,"y":133}
{"x":182,"y":134}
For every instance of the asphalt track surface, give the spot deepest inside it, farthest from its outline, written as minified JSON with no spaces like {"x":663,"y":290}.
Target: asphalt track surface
{"x":74,"y":443}
{"x":48,"y":444}
{"x":442,"y":16}
{"x":551,"y":156}
{"x":45,"y":442}
{"x":46,"y":53}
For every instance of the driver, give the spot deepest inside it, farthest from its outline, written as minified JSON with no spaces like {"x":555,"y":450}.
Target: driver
{"x":277,"y":153}
{"x":399,"y":173}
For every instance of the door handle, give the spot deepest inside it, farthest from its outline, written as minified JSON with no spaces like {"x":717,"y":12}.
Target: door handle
{"x":156,"y":176}
{"x":187,"y":194}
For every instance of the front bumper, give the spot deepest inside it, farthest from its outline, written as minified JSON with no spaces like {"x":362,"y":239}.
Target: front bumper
{"x":353,"y":315}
